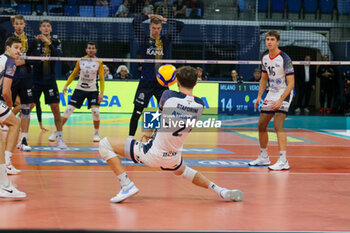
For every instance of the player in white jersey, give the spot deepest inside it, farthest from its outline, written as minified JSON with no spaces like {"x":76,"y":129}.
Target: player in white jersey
{"x":164,"y":148}
{"x":277,"y":69}
{"x":7,"y":70}
{"x":87,"y":88}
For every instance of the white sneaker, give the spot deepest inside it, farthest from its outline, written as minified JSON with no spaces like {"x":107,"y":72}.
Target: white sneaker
{"x":96,"y":137}
{"x":11,"y":170}
{"x":297,"y":110}
{"x":260,"y":161}
{"x":231,"y":195}
{"x":24,"y":145}
{"x":11,"y":191}
{"x":279,"y":165}
{"x":61,"y":144}
{"x":306,"y":110}
{"x":53,"y":137}
{"x":125,"y":192}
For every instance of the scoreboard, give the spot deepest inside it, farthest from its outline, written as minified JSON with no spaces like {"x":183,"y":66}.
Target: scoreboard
{"x":238,"y":98}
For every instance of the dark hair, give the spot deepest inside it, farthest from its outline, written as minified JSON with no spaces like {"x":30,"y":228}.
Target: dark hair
{"x":19,"y":17}
{"x":256,"y":70}
{"x":273,"y":33}
{"x":45,"y":21}
{"x":186,"y":76}
{"x":11,"y":40}
{"x":90,"y":43}
{"x":155,"y":20}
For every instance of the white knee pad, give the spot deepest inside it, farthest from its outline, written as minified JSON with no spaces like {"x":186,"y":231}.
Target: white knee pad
{"x":189,"y":173}
{"x":95,"y":114}
{"x":69,"y":110}
{"x":106,"y":150}
{"x":25,"y":110}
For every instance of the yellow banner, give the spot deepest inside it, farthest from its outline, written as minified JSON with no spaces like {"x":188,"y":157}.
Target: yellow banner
{"x":119,"y":97}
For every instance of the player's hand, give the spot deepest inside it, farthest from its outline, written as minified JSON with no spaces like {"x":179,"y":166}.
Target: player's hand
{"x":146,"y":135}
{"x":100,"y":98}
{"x":43,"y":39}
{"x":257,"y":101}
{"x":145,"y":138}
{"x":20,"y":62}
{"x":64,"y":90}
{"x":277,"y":104}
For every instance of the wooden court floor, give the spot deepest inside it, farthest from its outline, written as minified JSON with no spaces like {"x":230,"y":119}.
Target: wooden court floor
{"x":71,"y":189}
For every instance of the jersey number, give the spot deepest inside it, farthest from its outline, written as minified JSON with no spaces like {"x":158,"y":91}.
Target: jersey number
{"x":176,"y":133}
{"x":271,"y":71}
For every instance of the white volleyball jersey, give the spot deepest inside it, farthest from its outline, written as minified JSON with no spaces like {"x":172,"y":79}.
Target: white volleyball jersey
{"x":87,"y":71}
{"x":176,"y":107}
{"x":277,"y":68}
{"x":7,"y":68}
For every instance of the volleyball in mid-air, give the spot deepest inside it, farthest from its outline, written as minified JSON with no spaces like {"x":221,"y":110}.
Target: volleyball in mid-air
{"x":166,"y":75}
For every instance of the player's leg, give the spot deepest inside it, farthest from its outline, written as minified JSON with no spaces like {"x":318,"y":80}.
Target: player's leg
{"x":95,"y":111}
{"x":142,"y":97}
{"x":263,"y":158}
{"x":52,"y":98}
{"x":16,"y":105}
{"x":37,"y":94}
{"x":7,"y":189}
{"x":282,"y":163}
{"x":55,"y":109}
{"x":26,"y":98}
{"x":13,"y":124}
{"x":76,"y":101}
{"x":200,"y":180}
{"x":110,"y":149}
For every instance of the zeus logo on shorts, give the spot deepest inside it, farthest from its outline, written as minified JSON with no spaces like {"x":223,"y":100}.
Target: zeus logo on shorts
{"x":29,"y":92}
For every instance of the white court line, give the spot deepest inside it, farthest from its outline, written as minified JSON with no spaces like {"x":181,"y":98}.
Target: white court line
{"x":300,"y":144}
{"x":185,"y":156}
{"x":213,"y":172}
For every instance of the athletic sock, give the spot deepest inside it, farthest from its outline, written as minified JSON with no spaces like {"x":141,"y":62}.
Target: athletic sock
{"x":59,"y":134}
{"x":283,"y":155}
{"x":124,"y":179}
{"x":3,"y":175}
{"x":263,"y":152}
{"x":214,"y":187}
{"x":8,"y":156}
{"x":24,"y":135}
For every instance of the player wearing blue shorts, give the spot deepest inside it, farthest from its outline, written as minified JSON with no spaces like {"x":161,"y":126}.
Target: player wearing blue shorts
{"x":164,"y":147}
{"x":22,"y":82}
{"x":277,"y":69}
{"x":44,"y":76}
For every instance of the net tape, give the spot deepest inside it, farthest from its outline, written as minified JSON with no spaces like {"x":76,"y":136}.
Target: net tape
{"x":177,"y":61}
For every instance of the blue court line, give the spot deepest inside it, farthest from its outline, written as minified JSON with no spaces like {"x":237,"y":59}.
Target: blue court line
{"x":71,"y":161}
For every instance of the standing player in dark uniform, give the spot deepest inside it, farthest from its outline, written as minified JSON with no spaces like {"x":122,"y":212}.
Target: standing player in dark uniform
{"x":153,"y":46}
{"x":22,"y":82}
{"x":44,"y":77}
